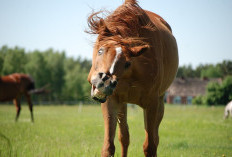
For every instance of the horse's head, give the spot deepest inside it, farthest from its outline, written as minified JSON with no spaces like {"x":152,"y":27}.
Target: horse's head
{"x":119,"y":39}
{"x":111,"y":61}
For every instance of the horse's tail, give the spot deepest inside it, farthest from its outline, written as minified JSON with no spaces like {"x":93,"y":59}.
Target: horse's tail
{"x":31,"y":82}
{"x":31,"y":86}
{"x":39,"y":90}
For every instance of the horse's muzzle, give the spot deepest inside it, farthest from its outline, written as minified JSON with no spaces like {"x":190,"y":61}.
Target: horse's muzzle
{"x":102,"y":86}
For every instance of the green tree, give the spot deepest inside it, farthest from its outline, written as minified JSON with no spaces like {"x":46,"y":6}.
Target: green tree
{"x":226,"y":67}
{"x":226,"y":89}
{"x":198,"y":100}
{"x":76,"y":85}
{"x":214,"y":94}
{"x":211,"y":72}
{"x":198,"y":70}
{"x":14,"y":61}
{"x":85,"y":63}
{"x":1,"y":64}
{"x":219,"y":94}
{"x":208,"y":70}
{"x":3,"y":51}
{"x":55,"y":65}
{"x":185,"y":71}
{"x":37,"y":68}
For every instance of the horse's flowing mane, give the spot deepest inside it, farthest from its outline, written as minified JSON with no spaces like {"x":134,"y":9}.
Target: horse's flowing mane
{"x":124,"y":25}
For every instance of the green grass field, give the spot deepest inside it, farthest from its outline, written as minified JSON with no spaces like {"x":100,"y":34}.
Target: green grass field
{"x":186,"y":131}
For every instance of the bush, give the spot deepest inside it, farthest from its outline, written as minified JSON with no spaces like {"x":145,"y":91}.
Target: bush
{"x":219,"y":94}
{"x":198,"y":100}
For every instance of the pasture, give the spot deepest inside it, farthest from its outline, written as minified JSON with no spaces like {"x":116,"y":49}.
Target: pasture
{"x":186,"y":131}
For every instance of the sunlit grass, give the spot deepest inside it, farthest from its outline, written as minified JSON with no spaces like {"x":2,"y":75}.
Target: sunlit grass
{"x":188,"y":131}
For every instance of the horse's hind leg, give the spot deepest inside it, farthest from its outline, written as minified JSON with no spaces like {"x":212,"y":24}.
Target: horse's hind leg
{"x":30,"y":106}
{"x":152,"y":118}
{"x":18,"y":108}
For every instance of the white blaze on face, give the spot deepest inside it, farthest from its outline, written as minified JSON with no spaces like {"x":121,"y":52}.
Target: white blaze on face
{"x":118,"y":52}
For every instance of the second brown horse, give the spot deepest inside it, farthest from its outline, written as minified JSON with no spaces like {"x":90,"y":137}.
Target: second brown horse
{"x":13,"y":87}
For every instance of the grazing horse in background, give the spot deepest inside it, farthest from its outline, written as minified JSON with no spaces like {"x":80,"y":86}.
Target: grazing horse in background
{"x":228,"y":110}
{"x":135,"y":59}
{"x":13,"y":87}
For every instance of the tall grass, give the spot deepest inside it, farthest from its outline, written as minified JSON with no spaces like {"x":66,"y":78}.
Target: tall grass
{"x":188,"y":131}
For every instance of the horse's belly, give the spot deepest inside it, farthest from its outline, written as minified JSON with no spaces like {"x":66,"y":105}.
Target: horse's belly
{"x":7,"y":94}
{"x":7,"y":97}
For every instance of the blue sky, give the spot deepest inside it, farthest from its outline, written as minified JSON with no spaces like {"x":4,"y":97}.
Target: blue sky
{"x":203,"y":28}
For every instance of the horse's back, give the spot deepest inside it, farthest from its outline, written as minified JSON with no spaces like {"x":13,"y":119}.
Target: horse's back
{"x":158,"y":20}
{"x":167,"y":49}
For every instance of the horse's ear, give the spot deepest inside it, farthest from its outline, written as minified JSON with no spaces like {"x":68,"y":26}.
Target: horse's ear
{"x":137,"y":50}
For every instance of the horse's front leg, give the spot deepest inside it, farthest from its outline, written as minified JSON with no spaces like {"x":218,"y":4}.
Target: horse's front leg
{"x":123,"y":134}
{"x":109,"y":111}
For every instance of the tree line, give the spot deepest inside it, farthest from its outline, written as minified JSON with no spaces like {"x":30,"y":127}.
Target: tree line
{"x":220,"y":70}
{"x":65,"y":77}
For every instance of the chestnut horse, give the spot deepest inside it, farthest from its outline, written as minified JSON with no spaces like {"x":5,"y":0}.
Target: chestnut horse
{"x":13,"y":87}
{"x":135,"y":59}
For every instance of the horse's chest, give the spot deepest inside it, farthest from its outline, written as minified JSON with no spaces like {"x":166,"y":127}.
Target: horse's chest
{"x":133,"y":91}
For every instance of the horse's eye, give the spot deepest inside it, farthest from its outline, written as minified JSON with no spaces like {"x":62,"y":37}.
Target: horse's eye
{"x":100,"y":51}
{"x":127,"y":65}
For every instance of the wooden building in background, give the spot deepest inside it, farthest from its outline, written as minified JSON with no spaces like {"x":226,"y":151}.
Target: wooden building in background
{"x":183,"y":90}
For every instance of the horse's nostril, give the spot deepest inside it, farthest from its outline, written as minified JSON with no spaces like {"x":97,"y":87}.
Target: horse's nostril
{"x":100,"y":74}
{"x":105,"y":78}
{"x":113,"y":83}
